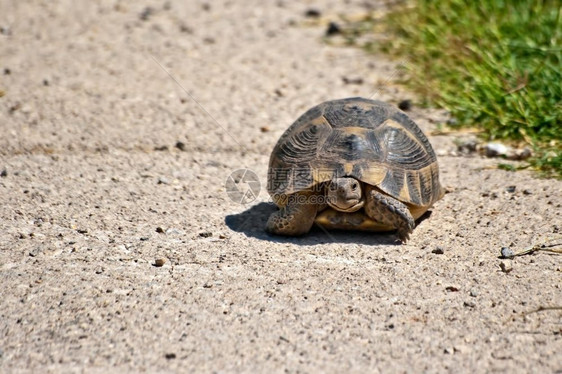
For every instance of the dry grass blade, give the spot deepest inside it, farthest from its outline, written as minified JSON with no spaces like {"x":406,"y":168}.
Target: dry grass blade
{"x":546,"y":246}
{"x":541,"y":309}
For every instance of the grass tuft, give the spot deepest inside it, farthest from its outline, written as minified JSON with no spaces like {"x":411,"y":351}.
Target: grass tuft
{"x":493,"y":64}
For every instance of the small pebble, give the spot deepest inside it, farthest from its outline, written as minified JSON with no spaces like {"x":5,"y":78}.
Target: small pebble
{"x":173,"y":231}
{"x":495,"y":150}
{"x":506,"y":268}
{"x":405,"y":105}
{"x":163,"y":180}
{"x":470,"y":304}
{"x":161,"y":148}
{"x":520,"y":154}
{"x":312,"y":13}
{"x":186,"y":29}
{"x":527,"y":192}
{"x":34,"y":252}
{"x":507,"y":252}
{"x":438,"y":251}
{"x":7,"y":71}
{"x":221,"y":236}
{"x":357,"y":80}
{"x":510,"y":189}
{"x":146,"y":13}
{"x":452,"y":289}
{"x":333,"y":29}
{"x":180,"y":145}
{"x":205,"y":234}
{"x":264,"y":129}
{"x":14,"y":108}
{"x":467,"y":146}
{"x":170,"y":356}
{"x":461,"y":348}
{"x":452,"y":121}
{"x":4,"y":173}
{"x":159,"y":262}
{"x":143,"y":238}
{"x":159,"y":230}
{"x":473,"y":292}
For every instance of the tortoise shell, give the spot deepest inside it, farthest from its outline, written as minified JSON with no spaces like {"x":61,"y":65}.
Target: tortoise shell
{"x":368,"y":140}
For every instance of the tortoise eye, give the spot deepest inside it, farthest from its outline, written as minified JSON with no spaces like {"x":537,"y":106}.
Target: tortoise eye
{"x":354,"y":186}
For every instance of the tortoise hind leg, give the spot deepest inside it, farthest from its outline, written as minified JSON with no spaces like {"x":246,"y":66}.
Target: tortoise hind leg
{"x":389,"y":211}
{"x":296,"y":218}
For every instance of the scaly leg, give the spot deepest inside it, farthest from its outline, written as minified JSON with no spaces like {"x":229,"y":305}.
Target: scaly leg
{"x":296,"y":218}
{"x":389,"y":211}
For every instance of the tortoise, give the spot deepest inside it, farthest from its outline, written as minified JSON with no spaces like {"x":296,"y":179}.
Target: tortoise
{"x":354,"y":164}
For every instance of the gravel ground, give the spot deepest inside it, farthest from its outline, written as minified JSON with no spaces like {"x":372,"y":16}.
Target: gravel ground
{"x":120,"y":250}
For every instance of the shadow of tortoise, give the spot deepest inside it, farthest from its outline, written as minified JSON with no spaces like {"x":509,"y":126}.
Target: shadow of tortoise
{"x":251,"y":222}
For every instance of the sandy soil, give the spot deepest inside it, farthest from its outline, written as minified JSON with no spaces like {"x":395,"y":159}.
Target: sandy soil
{"x":108,"y":165}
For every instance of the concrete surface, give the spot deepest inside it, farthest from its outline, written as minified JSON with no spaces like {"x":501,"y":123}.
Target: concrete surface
{"x":95,"y":188}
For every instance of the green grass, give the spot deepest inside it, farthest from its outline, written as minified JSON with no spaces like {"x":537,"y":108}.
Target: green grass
{"x":496,"y":65}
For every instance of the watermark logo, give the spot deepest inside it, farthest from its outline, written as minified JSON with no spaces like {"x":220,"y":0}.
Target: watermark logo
{"x":243,"y":186}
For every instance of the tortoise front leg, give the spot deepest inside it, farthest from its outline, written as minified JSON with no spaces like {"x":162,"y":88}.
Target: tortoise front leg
{"x":389,"y":211}
{"x":296,"y":218}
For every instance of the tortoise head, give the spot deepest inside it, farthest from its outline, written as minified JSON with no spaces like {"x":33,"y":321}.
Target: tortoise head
{"x":345,"y":194}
